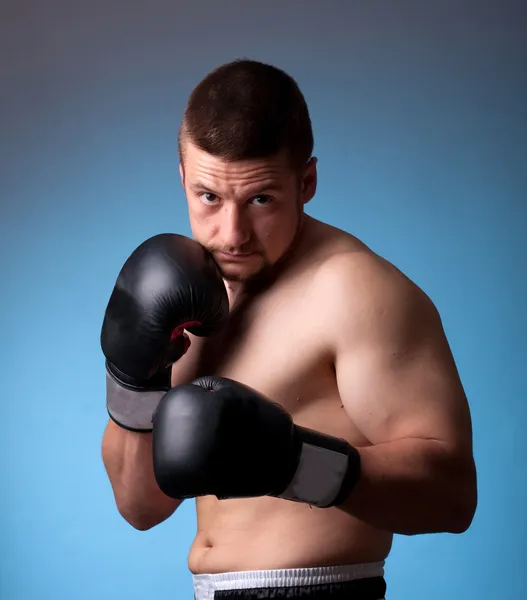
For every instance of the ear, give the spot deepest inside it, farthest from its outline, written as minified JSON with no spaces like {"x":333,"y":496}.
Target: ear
{"x":309,"y":180}
{"x":182,"y":174}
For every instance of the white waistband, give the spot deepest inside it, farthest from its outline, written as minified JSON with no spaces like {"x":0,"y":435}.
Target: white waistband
{"x":206,"y":584}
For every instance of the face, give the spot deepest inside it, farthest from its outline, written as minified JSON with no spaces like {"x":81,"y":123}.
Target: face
{"x":246,"y":213}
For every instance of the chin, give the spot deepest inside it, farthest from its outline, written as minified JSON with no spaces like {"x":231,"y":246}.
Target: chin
{"x":243,"y":273}
{"x":239,"y":275}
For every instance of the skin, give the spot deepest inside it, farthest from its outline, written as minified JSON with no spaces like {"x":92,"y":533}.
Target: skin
{"x":348,"y":345}
{"x":248,"y":214}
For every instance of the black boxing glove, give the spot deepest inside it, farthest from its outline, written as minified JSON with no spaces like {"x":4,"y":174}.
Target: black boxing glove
{"x":219,"y":437}
{"x":168,"y":284}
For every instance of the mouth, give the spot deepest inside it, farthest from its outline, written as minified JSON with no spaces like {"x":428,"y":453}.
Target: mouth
{"x":235,"y":257}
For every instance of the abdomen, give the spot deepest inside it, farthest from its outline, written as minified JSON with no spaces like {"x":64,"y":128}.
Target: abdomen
{"x":270,"y":533}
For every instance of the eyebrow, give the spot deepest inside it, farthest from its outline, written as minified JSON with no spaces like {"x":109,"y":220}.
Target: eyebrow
{"x":200,"y":187}
{"x":269,"y":187}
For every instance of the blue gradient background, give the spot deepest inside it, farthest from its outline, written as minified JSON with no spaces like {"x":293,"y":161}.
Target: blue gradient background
{"x":419,"y":111}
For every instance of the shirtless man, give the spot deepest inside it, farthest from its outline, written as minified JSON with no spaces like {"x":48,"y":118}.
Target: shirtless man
{"x":323,"y":331}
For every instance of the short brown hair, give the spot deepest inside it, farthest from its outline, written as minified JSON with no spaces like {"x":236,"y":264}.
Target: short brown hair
{"x":246,"y":109}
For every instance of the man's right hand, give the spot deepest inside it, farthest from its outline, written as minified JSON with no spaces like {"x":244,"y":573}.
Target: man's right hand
{"x":168,"y":284}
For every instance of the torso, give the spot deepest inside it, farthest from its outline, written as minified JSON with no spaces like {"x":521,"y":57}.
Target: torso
{"x":275,"y":343}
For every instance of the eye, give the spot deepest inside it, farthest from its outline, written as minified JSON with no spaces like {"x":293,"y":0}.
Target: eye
{"x":261,"y":200}
{"x":208,"y":198}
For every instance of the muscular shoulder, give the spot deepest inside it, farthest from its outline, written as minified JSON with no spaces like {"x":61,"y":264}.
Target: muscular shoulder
{"x":365,"y":297}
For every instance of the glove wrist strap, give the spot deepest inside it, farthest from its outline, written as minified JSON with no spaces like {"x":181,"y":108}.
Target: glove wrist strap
{"x":131,"y":406}
{"x":327,"y":470}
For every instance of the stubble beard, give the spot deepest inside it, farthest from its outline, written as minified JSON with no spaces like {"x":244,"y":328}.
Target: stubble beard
{"x":267,"y":270}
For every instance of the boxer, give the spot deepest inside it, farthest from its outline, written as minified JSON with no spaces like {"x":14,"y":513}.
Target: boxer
{"x":273,"y":368}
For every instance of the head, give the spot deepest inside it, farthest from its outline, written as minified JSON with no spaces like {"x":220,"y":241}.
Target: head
{"x":246,"y":164}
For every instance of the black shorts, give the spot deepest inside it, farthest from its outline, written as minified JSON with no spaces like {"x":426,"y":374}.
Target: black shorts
{"x":346,"y":582}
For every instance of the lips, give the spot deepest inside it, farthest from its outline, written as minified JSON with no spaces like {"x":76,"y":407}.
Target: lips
{"x":237,"y":256}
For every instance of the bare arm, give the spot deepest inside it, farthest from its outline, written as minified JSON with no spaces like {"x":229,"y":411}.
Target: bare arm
{"x":400,"y":386}
{"x":127,"y":457}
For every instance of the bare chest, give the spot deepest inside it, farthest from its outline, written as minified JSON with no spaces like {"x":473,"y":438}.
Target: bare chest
{"x":274,"y":345}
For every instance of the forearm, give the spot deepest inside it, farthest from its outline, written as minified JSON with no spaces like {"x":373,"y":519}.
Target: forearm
{"x":413,"y":486}
{"x":127,"y":457}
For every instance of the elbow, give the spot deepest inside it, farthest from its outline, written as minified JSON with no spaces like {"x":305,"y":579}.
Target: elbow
{"x":138,"y":519}
{"x":139,"y":522}
{"x":459,"y":525}
{"x":464,"y":506}
{"x":142,"y":525}
{"x":142,"y":521}
{"x":142,"y":517}
{"x":462,"y":520}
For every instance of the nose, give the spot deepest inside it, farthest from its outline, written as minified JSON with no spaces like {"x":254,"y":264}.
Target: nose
{"x":235,"y":227}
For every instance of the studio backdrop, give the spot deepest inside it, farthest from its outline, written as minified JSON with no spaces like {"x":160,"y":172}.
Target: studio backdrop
{"x":419,"y":110}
